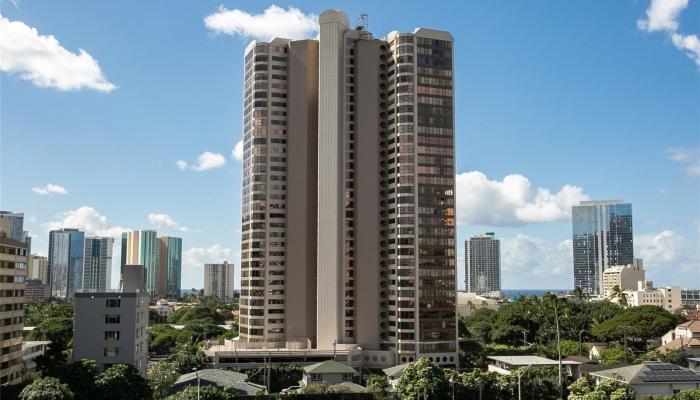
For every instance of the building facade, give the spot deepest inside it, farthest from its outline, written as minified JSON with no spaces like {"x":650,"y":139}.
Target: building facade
{"x":169,"y":266}
{"x":218,"y":281}
{"x":15,"y":225}
{"x":97,"y":265}
{"x":625,"y":277}
{"x":38,"y":268}
{"x":66,"y":255}
{"x":483,"y":261}
{"x":602,"y":237}
{"x":13,"y":272}
{"x":356,"y":135}
{"x":668,"y":298}
{"x":36,"y":292}
{"x":690,"y":296}
{"x":142,"y":248}
{"x":111,"y":327}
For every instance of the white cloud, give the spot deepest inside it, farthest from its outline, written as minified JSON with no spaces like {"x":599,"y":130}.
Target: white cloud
{"x":535,"y":263}
{"x":205,"y":161}
{"x":50,"y":188}
{"x":660,"y":248}
{"x":512,"y":201}
{"x":275,"y":21}
{"x":690,"y":157}
{"x":669,"y":258}
{"x":88,"y":220}
{"x":237,"y":152}
{"x":662,"y":15}
{"x":42,"y":60}
{"x":196,"y":257}
{"x":165,"y":221}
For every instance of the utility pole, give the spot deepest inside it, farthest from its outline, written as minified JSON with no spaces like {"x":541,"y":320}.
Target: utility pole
{"x":521,"y":372}
{"x":556,"y":320}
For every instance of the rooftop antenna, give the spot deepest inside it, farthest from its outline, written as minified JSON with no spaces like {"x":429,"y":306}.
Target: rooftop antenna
{"x":362,"y":23}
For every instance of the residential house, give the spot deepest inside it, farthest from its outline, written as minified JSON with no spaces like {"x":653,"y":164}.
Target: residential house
{"x":652,"y":378}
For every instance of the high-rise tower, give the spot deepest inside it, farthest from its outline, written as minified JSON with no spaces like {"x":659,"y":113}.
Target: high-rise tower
{"x":483,"y":261}
{"x":66,"y":251}
{"x":602,"y":237}
{"x":97,"y":264}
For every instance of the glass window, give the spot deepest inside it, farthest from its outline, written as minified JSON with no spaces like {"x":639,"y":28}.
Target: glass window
{"x":113,"y":303}
{"x":111,"y":351}
{"x":111,"y":319}
{"x":111,"y":335}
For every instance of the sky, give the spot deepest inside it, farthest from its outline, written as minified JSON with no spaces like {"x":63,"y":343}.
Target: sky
{"x":128,"y":115}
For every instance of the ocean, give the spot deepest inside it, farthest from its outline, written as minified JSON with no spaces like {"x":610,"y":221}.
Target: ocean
{"x":515,"y":293}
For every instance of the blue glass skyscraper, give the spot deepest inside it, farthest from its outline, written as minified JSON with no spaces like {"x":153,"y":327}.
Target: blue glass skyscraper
{"x":602,"y":237}
{"x":66,"y":247}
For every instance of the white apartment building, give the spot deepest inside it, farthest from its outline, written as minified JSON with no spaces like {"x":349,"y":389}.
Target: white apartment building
{"x":668,"y":297}
{"x":623,"y":276}
{"x":218,"y":281}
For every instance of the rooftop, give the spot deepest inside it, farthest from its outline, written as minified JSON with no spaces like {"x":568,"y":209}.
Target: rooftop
{"x":650,"y":372}
{"x":221,"y":377}
{"x":529,"y":360}
{"x":395,"y":372}
{"x":692,"y":325}
{"x":329,"y":367}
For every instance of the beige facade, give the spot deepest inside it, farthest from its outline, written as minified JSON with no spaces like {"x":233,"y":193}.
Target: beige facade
{"x":38,"y":268}
{"x":668,"y":298}
{"x":218,"y":281}
{"x":13,"y":274}
{"x":623,"y":276}
{"x":348,"y":225}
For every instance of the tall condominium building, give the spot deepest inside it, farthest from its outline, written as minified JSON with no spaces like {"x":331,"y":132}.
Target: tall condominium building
{"x":15,"y":224}
{"x":142,"y":249}
{"x":169,"y":266}
{"x":111,"y":327}
{"x":38,"y":268}
{"x":66,"y":251}
{"x":218,"y":281}
{"x":97,"y":265}
{"x":348,"y":192}
{"x":13,"y":272}
{"x":602,"y":237}
{"x":483,"y":261}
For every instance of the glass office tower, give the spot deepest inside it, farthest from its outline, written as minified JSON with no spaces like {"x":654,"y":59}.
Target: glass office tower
{"x":602,"y":237}
{"x":66,"y":248}
{"x":97,"y":265}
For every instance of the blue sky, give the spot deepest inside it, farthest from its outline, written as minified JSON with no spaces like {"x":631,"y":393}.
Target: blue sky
{"x":575,"y":99}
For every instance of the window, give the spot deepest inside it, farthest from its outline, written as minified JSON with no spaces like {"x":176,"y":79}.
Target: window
{"x":111,"y":335}
{"x":111,"y":319}
{"x":347,"y":377}
{"x":111,"y":351}
{"x":315,"y":377}
{"x":113,"y":303}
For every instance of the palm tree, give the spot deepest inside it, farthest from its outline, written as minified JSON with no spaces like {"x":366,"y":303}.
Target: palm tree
{"x":620,"y":295}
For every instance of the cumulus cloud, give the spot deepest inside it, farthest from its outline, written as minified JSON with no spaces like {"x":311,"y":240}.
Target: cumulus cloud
{"x":275,"y":21}
{"x":42,"y":60}
{"x":196,"y":257}
{"x":237,"y":152}
{"x":50,"y":188}
{"x":668,"y":255}
{"x":690,"y":157}
{"x":88,"y":220}
{"x":535,"y":263}
{"x":662,"y":16}
{"x":165,"y":221}
{"x":512,"y":201}
{"x":205,"y":161}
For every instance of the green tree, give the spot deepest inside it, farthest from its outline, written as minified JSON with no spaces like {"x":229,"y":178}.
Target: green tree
{"x":612,"y":356}
{"x":122,"y":382}
{"x":378,"y":385}
{"x":161,"y":378}
{"x":46,"y":389}
{"x":80,"y":377}
{"x":59,"y":330}
{"x":188,"y":358}
{"x":425,"y":379}
{"x":478,"y":384}
{"x":687,"y":395}
{"x":36,"y":313}
{"x":205,"y":393}
{"x":637,"y":325}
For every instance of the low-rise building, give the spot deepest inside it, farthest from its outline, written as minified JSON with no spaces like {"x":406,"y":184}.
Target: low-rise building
{"x":111,"y":327}
{"x":506,"y":365}
{"x":468,"y":303}
{"x":694,"y":364}
{"x":220,"y":379}
{"x":36,"y":292}
{"x":31,"y":349}
{"x":668,"y":298}
{"x":652,"y":378}
{"x":690,"y":297}
{"x":332,"y":372}
{"x":624,"y":277}
{"x":163,"y":309}
{"x":685,"y":337}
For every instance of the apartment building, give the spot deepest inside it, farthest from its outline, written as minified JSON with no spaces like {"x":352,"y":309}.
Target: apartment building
{"x":483,"y":262}
{"x":38,"y":268}
{"x":625,"y":277}
{"x":169,"y":266}
{"x":218,"y":281}
{"x":602,"y":237}
{"x":161,"y":258}
{"x":97,"y":264}
{"x":668,"y":297}
{"x":348,"y":192}
{"x":13,"y":272}
{"x":111,"y":326}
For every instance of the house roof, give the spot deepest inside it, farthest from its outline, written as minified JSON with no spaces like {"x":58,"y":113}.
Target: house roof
{"x":395,"y":372}
{"x":329,"y":367}
{"x":677,"y":343}
{"x":354,"y":387}
{"x":650,"y":372}
{"x":529,"y":360}
{"x":692,"y":325}
{"x":218,"y":377}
